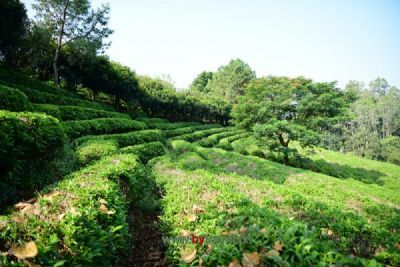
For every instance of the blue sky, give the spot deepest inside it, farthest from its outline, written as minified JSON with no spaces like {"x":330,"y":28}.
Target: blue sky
{"x":336,"y":40}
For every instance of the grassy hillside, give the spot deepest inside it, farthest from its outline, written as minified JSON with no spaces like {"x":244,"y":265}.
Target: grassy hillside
{"x":76,"y":175}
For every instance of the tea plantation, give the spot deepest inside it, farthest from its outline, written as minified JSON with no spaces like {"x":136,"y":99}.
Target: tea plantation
{"x":75,"y":173}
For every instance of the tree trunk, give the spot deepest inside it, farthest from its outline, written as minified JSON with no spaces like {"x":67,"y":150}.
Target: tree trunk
{"x":59,"y":44}
{"x":117,"y":103}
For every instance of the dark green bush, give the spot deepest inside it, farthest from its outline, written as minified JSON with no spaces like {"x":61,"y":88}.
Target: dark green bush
{"x":146,"y":151}
{"x":127,"y":139}
{"x":29,"y":142}
{"x":80,"y":128}
{"x":152,"y":120}
{"x":213,"y":139}
{"x":66,"y":113}
{"x":82,"y":219}
{"x":13,"y":99}
{"x":171,"y":126}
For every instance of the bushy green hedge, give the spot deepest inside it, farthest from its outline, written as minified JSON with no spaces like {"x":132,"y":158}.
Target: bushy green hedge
{"x":80,"y":128}
{"x":13,"y":99}
{"x":127,"y":139}
{"x":92,"y":150}
{"x":66,"y":113}
{"x":152,"y":120}
{"x":171,"y":126}
{"x":190,"y":129}
{"x":191,"y":137}
{"x":28,"y":143}
{"x":23,"y":82}
{"x":81,"y":221}
{"x":213,"y":139}
{"x":146,"y":151}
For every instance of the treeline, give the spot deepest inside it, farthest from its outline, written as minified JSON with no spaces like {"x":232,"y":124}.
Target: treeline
{"x":69,"y":51}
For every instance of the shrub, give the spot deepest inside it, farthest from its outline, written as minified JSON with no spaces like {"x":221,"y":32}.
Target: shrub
{"x":80,"y":221}
{"x":146,"y":151}
{"x":28,"y":143}
{"x":225,"y":143}
{"x":13,"y":99}
{"x":66,"y":113}
{"x":152,"y":120}
{"x":78,"y":128}
{"x":171,"y":126}
{"x":214,"y":138}
{"x":127,"y":139}
{"x":191,"y":137}
{"x":391,"y":148}
{"x":190,"y":129}
{"x":92,"y":150}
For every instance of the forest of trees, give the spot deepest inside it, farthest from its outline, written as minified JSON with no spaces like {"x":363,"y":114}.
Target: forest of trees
{"x":66,"y":42}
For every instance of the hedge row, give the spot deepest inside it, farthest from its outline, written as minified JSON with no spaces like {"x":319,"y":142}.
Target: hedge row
{"x":80,"y":128}
{"x":80,"y":221}
{"x":29,"y":142}
{"x":225,"y":143}
{"x":152,"y":120}
{"x":213,"y":139}
{"x":127,"y":139}
{"x":13,"y":99}
{"x":39,"y":97}
{"x":191,"y":129}
{"x":66,"y":113}
{"x":92,"y":150}
{"x":24,"y":83}
{"x":146,"y":151}
{"x":192,"y":137}
{"x":172,"y":126}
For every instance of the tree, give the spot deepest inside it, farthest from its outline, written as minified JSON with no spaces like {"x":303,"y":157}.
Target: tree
{"x":70,"y":20}
{"x":229,"y":81}
{"x":391,"y":149}
{"x":13,"y":28}
{"x":201,"y":81}
{"x":280,"y":110}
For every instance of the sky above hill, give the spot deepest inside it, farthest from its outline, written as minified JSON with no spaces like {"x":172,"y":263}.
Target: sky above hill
{"x":324,"y":40}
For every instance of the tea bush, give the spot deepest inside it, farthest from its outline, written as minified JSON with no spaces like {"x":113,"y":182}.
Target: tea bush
{"x":13,"y":99}
{"x":146,"y":151}
{"x":66,"y":113}
{"x":29,"y":142}
{"x":80,"y":128}
{"x":197,"y":135}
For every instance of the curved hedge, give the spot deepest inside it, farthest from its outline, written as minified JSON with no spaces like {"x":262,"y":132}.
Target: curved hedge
{"x":92,"y":150}
{"x":66,"y":113}
{"x":13,"y":99}
{"x":127,"y":139}
{"x":81,"y":221}
{"x":190,"y":129}
{"x":28,"y":143}
{"x":191,"y":137}
{"x":80,"y":128}
{"x":213,"y":139}
{"x":146,"y":151}
{"x":172,"y":125}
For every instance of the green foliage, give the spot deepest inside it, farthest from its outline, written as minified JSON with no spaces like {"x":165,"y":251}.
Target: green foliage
{"x":152,"y":120}
{"x":391,"y":148}
{"x":225,"y":143}
{"x":281,"y":110}
{"x":171,"y":126}
{"x":13,"y":99}
{"x":85,"y":213}
{"x":197,"y":135}
{"x":29,"y":143}
{"x":158,"y":98}
{"x":201,"y":81}
{"x":92,"y":150}
{"x":13,"y":27}
{"x":145,"y":152}
{"x":308,"y":219}
{"x":80,"y":128}
{"x":127,"y":139}
{"x":213,"y":139}
{"x":66,"y":113}
{"x":230,"y":80}
{"x":190,"y":129}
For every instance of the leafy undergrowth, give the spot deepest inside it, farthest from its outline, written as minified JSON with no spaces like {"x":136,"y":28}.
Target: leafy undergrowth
{"x":78,"y":221}
{"x":253,"y":211}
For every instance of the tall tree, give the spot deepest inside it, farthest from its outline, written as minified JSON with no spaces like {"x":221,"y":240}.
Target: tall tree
{"x":281,"y":110}
{"x":13,"y":27}
{"x":229,"y":81}
{"x":201,"y":81}
{"x":70,"y":20}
